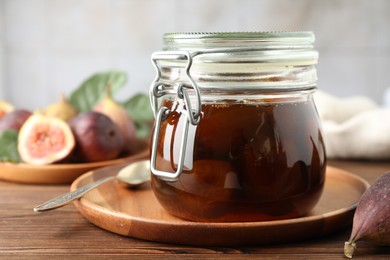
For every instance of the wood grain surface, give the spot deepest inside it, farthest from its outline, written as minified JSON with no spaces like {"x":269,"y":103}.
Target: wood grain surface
{"x":137,"y":213}
{"x":62,"y":173}
{"x":64,"y":233}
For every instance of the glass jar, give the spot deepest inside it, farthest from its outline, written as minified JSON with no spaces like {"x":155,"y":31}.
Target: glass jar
{"x":237,"y":136}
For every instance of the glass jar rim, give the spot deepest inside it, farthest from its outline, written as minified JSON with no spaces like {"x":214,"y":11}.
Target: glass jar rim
{"x":246,"y":47}
{"x":271,"y":36}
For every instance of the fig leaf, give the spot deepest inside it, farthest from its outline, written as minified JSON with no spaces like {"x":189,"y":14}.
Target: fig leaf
{"x":143,"y":130}
{"x":139,"y":109}
{"x":92,"y":90}
{"x":8,"y":146}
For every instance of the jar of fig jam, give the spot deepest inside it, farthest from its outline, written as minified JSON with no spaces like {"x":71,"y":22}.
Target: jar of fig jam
{"x":237,"y":136}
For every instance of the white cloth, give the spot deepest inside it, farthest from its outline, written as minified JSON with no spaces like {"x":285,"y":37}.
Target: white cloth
{"x":354,"y":127}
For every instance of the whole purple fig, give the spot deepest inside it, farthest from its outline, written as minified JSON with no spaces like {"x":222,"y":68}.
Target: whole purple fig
{"x":14,"y":119}
{"x":371,"y":221}
{"x":97,"y":137}
{"x":120,"y":117}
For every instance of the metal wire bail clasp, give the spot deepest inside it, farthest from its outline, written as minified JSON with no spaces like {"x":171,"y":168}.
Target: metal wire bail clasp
{"x":158,"y":90}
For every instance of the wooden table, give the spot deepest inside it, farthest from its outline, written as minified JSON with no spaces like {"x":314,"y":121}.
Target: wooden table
{"x":64,"y":233}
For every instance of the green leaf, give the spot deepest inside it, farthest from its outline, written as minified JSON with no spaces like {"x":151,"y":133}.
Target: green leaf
{"x":139,"y":108}
{"x":141,"y":112}
{"x":92,"y":90}
{"x":143,"y":130}
{"x":9,"y":146}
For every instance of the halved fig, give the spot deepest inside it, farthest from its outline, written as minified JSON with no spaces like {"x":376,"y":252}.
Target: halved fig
{"x":45,"y":140}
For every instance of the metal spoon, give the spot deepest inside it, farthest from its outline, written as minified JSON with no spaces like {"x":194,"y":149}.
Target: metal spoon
{"x":134,"y":175}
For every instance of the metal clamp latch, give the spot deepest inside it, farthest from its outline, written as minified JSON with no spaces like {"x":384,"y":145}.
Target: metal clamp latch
{"x":158,"y":90}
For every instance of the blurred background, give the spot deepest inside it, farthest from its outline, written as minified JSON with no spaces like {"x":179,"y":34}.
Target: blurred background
{"x":48,"y":47}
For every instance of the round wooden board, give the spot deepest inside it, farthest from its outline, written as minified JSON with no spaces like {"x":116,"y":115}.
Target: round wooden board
{"x":62,"y":173}
{"x":137,"y":213}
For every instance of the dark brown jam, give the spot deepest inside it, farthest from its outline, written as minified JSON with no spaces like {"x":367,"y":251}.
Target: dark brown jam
{"x":244,"y":162}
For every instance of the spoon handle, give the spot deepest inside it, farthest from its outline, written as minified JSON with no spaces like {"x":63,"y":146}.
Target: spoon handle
{"x":70,"y":196}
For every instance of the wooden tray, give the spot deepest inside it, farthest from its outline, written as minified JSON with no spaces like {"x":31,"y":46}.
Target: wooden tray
{"x":137,"y":213}
{"x":61,"y":173}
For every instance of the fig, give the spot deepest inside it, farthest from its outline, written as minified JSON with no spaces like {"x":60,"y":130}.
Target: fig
{"x":14,"y":120}
{"x":45,"y":140}
{"x":98,"y":138}
{"x":120,"y":117}
{"x":371,"y":221}
{"x":61,"y":109}
{"x":5,"y":108}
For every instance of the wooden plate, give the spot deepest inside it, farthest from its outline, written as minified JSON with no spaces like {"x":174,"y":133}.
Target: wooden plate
{"x":137,"y":213}
{"x":61,"y":173}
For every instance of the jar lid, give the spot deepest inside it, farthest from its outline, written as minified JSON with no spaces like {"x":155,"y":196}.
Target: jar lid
{"x":304,"y":37}
{"x":238,"y":60}
{"x":248,"y":47}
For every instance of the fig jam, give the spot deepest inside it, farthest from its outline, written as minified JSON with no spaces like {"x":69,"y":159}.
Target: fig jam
{"x":244,"y":161}
{"x":237,"y":135}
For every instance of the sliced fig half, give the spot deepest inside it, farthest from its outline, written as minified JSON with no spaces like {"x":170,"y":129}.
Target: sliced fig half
{"x":45,"y":140}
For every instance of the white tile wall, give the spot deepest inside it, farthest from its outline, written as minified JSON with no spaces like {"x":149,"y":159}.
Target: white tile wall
{"x":51,"y":46}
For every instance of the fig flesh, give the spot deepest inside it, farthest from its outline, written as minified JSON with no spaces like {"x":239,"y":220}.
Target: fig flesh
{"x":97,"y":136}
{"x":44,"y":140}
{"x":120,"y":117}
{"x":61,"y":109}
{"x":14,"y":120}
{"x":371,"y":221}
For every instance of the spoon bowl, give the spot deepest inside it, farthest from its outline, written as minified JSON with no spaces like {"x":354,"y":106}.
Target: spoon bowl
{"x":134,"y":175}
